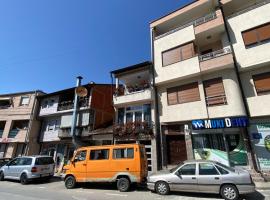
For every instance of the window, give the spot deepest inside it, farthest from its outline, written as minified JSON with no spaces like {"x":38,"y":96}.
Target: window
{"x":256,"y":35}
{"x":123,"y":153}
{"x":45,"y":104}
{"x":262,"y":83}
{"x":189,"y":169}
{"x":24,"y":100}
{"x":207,"y":169}
{"x":221,"y":170}
{"x":178,"y":54}
{"x":25,"y":161}
{"x":80,"y":156}
{"x":183,"y":94}
{"x":44,"y":161}
{"x":101,"y":154}
{"x":214,"y":92}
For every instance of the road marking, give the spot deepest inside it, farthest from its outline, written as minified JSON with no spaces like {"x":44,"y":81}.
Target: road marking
{"x":113,"y":194}
{"x":41,"y":187}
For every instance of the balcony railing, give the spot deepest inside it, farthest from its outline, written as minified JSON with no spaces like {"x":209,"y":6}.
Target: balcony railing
{"x":133,"y":130}
{"x":66,"y":132}
{"x":1,"y":133}
{"x":216,"y":100}
{"x":68,"y":105}
{"x":215,"y":54}
{"x":195,"y":23}
{"x":13,"y":133}
{"x":132,"y":89}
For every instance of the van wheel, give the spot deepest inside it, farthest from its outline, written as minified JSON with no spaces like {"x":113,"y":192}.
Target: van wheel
{"x":24,"y":179}
{"x":123,"y":184}
{"x":162,"y":188}
{"x":2,"y":177}
{"x":70,"y":182}
{"x":229,"y":192}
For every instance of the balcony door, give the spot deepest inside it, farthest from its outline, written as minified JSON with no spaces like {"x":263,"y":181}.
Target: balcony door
{"x":139,"y":113}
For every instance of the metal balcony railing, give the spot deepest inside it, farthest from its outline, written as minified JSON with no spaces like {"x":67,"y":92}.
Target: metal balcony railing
{"x":68,"y":105}
{"x":215,"y":54}
{"x":13,"y":133}
{"x":132,"y":89}
{"x":1,"y":133}
{"x":216,"y":100}
{"x":195,"y":23}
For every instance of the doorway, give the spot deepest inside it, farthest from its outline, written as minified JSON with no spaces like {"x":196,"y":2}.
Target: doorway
{"x":176,"y":149}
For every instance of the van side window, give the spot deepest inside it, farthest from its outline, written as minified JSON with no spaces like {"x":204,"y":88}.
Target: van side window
{"x":80,"y":156}
{"x":101,"y":154}
{"x":123,"y":153}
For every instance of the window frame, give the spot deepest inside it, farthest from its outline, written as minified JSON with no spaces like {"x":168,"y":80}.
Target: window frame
{"x":22,"y":98}
{"x":125,"y":153}
{"x":218,"y":173}
{"x":92,"y":150}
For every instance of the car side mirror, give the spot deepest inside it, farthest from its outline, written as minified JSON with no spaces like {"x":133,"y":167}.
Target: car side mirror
{"x":178,"y":174}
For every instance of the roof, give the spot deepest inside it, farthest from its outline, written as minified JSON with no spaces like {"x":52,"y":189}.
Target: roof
{"x":174,"y":11}
{"x":21,"y":93}
{"x":132,"y":67}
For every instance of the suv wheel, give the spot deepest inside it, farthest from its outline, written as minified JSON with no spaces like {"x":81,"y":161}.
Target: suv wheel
{"x":162,"y":188}
{"x":2,"y":177}
{"x":123,"y":184}
{"x":229,"y":192}
{"x":70,"y":182}
{"x":24,"y":179}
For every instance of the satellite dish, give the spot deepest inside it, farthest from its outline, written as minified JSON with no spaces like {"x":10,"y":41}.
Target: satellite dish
{"x":81,"y":91}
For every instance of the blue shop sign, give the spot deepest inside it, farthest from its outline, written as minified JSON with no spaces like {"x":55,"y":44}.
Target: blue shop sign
{"x":228,"y":122}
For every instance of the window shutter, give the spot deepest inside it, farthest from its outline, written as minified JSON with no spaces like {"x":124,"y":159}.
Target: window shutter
{"x":250,"y":37}
{"x":187,"y":51}
{"x":188,"y":93}
{"x":172,"y":96}
{"x":171,"y":56}
{"x":262,"y":83}
{"x":264,"y":32}
{"x":214,"y":92}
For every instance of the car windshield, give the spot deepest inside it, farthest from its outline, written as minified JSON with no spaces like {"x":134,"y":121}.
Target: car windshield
{"x":175,"y":168}
{"x":44,"y":161}
{"x":226,"y":167}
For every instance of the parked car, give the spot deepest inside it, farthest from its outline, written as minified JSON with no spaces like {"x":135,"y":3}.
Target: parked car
{"x":205,"y":177}
{"x":124,"y":164}
{"x":4,"y":161}
{"x":28,"y":168}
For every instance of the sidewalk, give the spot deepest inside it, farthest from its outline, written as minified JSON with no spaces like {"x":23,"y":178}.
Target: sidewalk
{"x":262,"y":185}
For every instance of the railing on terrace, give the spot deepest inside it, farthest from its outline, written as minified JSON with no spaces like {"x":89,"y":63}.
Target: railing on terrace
{"x":13,"y":133}
{"x":68,"y":105}
{"x":216,"y":100}
{"x":1,"y":133}
{"x":197,"y":22}
{"x":131,"y":89}
{"x":215,"y":54}
{"x":256,"y":5}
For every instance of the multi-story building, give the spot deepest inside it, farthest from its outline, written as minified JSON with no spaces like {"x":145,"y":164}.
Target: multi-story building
{"x":134,"y":108}
{"x":18,"y":125}
{"x":94,"y":121}
{"x":211,"y":70}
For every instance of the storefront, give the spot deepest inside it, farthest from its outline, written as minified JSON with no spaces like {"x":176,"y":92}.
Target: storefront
{"x":221,"y":140}
{"x":259,"y":132}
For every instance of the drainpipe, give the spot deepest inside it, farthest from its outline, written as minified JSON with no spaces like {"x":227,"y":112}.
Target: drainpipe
{"x":26,"y":141}
{"x":253,"y":162}
{"x":113,"y":106}
{"x":159,"y":138}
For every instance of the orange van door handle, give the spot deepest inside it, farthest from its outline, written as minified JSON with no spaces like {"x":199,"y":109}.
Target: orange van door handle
{"x":84,"y":164}
{"x":127,"y":169}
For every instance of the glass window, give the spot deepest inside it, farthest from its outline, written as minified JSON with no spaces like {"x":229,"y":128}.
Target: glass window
{"x":44,"y":161}
{"x":147,"y":113}
{"x":189,"y":169}
{"x":101,"y":154}
{"x":207,"y":169}
{"x":221,"y":170}
{"x":26,"y":161}
{"x":121,"y":115}
{"x":129,"y":117}
{"x":123,"y":153}
{"x":80,"y":156}
{"x":14,"y":162}
{"x":24,"y":100}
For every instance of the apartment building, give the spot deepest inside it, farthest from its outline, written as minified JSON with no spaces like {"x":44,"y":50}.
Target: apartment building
{"x":18,"y":126}
{"x":94,"y":119}
{"x":207,"y":80}
{"x":134,"y":109}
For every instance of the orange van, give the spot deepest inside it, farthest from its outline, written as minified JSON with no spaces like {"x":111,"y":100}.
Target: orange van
{"x":124,"y":164}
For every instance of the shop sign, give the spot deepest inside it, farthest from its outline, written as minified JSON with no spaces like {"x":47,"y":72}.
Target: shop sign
{"x":228,"y":122}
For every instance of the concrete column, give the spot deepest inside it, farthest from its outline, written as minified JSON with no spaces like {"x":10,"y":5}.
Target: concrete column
{"x":8,"y":127}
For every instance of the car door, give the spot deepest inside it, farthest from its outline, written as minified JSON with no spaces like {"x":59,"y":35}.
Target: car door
{"x":185,"y":178}
{"x":209,"y":178}
{"x":10,"y":168}
{"x":80,"y":165}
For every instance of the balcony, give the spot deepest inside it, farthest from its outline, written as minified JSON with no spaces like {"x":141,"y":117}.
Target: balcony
{"x":216,"y":60}
{"x":216,"y":100}
{"x":133,"y":131}
{"x":69,"y":105}
{"x":66,"y":132}
{"x":13,"y":133}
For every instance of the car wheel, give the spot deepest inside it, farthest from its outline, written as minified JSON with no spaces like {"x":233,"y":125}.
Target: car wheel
{"x":70,"y":182}
{"x":24,"y":179}
{"x":123,"y":184}
{"x":162,"y":188}
{"x":229,"y":192}
{"x":2,"y":177}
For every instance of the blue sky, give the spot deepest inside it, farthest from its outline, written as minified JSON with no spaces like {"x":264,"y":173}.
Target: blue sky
{"x":45,"y":44}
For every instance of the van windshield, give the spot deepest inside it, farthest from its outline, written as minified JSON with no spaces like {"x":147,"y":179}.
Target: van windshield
{"x":44,"y":161}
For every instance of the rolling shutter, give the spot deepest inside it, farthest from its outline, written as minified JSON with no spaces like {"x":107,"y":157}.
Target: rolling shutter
{"x":187,"y":51}
{"x":171,"y":56}
{"x":262,"y":83}
{"x":188,"y":93}
{"x":172,"y":96}
{"x":250,"y":37}
{"x":264,"y":32}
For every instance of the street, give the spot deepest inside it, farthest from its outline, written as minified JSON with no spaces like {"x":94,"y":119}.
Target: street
{"x":55,"y":190}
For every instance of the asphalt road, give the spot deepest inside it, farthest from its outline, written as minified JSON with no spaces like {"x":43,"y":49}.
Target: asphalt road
{"x":55,"y":190}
